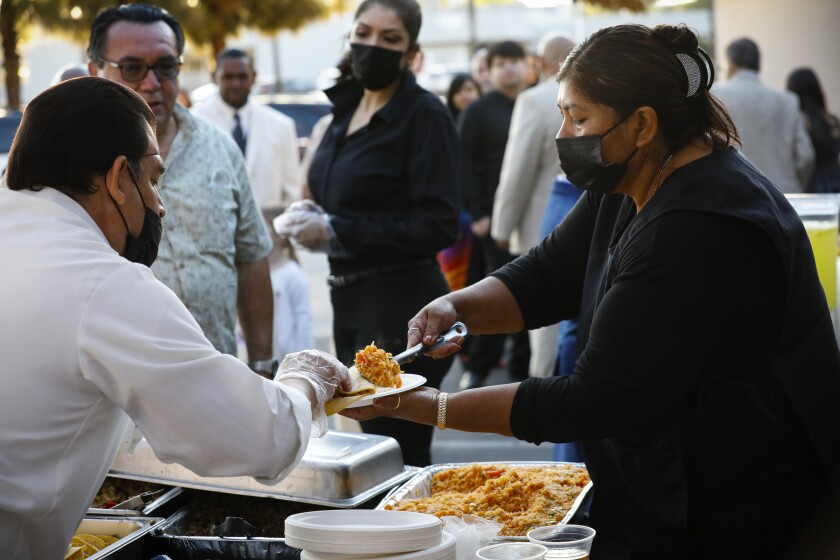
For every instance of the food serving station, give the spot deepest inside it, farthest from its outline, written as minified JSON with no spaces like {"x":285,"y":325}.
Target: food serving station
{"x":338,"y":471}
{"x":155,"y":508}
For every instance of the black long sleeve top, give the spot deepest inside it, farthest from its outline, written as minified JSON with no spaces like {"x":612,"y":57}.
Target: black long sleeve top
{"x":391,"y":187}
{"x":708,"y":377}
{"x":483,"y":128}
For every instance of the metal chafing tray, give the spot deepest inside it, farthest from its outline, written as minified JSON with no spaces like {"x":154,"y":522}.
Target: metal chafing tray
{"x":129,"y":531}
{"x":340,"y":470}
{"x":165,"y":502}
{"x":232,"y":538}
{"x":420,"y":486}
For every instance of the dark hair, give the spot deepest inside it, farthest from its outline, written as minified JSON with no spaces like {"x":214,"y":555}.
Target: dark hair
{"x":407,"y":10}
{"x":507,"y":49}
{"x":454,"y":87}
{"x":136,"y":13}
{"x":805,"y":84}
{"x":743,"y":53}
{"x":630,"y":66}
{"x":231,"y":53}
{"x":72,"y":132}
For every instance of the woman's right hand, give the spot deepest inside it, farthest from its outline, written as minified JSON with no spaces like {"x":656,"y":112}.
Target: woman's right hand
{"x":433,"y":320}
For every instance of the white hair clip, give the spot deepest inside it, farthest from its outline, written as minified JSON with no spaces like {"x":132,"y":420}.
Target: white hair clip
{"x":699,"y":70}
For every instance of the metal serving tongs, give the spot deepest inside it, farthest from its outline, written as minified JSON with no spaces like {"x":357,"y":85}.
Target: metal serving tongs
{"x":139,"y":501}
{"x":458,"y":329}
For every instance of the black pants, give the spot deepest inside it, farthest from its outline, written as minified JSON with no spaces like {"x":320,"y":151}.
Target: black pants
{"x":486,"y":350}
{"x":377,"y":309}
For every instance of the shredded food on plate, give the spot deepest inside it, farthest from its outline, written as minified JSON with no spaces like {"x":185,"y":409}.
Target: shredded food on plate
{"x":521,"y":498}
{"x":378,"y":367}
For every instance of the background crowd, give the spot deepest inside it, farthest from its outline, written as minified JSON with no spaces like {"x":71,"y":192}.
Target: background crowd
{"x":507,"y":187}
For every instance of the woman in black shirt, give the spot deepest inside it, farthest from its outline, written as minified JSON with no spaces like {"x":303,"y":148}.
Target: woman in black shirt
{"x":707,"y":385}
{"x":384,"y":180}
{"x":463,"y":90}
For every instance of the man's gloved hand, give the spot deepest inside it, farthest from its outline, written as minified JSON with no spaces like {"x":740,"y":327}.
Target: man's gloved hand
{"x":321,"y":374}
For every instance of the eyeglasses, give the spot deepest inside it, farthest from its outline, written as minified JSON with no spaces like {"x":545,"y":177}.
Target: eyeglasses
{"x":137,"y":71}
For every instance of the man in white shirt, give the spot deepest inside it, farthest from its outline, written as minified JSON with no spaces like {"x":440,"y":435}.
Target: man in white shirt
{"x":90,"y":340}
{"x":528,"y":170}
{"x":771,"y":127}
{"x":267,"y":137}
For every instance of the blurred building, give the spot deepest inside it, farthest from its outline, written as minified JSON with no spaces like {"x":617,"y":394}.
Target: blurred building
{"x":790,"y":34}
{"x":305,"y":59}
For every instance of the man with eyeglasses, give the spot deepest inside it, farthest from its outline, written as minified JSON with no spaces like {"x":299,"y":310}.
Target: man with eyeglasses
{"x":213,"y":254}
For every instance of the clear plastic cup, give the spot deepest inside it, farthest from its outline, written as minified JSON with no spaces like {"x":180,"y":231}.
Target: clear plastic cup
{"x":819,"y":214}
{"x":564,"y":541}
{"x":512,"y":551}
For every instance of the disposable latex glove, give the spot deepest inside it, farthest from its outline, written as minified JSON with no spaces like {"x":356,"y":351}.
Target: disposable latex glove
{"x":286,"y":223}
{"x":305,"y":205}
{"x":323,"y":373}
{"x":309,"y":229}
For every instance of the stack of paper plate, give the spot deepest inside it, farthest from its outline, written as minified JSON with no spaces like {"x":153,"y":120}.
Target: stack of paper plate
{"x":444,"y":551}
{"x":346,"y":534}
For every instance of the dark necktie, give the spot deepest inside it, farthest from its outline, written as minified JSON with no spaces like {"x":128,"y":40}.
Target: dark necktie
{"x":238,"y":134}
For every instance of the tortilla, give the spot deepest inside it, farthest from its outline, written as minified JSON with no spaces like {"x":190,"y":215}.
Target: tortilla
{"x":108,"y":539}
{"x":75,"y":553}
{"x":342,"y":399}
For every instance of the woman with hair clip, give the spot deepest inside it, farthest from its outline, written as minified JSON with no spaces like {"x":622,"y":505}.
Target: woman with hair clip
{"x":384,"y":200}
{"x":707,"y":384}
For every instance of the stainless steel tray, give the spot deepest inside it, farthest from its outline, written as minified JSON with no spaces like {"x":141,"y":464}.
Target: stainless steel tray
{"x":420,"y":486}
{"x":171,"y":540}
{"x":127,"y":529}
{"x":339,"y":470}
{"x":229,"y":548}
{"x":150,"y":509}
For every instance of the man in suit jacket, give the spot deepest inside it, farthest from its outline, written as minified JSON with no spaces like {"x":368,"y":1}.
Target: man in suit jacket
{"x":772,"y":130}
{"x":530,"y":161}
{"x":267,"y":137}
{"x":528,"y":170}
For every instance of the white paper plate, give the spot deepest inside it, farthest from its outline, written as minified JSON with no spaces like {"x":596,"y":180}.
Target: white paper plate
{"x":409,"y":382}
{"x":363,"y":531}
{"x":443,"y":551}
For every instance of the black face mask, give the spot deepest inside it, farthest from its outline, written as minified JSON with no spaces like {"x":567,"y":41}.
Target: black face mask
{"x":143,"y":249}
{"x":580,"y":160}
{"x":375,"y":67}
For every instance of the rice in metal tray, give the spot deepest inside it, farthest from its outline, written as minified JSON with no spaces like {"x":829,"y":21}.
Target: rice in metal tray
{"x":521,"y":496}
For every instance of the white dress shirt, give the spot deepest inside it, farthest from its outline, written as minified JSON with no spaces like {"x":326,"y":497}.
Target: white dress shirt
{"x":271,"y":153}
{"x":772,"y":129}
{"x":87,"y":340}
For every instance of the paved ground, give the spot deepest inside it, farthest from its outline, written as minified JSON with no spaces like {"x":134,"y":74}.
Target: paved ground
{"x":452,"y":446}
{"x":448,"y":446}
